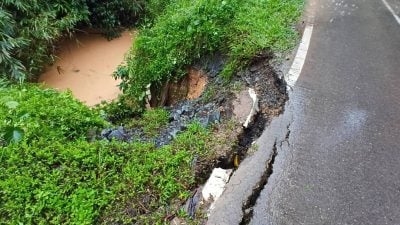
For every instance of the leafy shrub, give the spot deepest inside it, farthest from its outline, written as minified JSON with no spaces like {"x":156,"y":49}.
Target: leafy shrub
{"x":53,"y":175}
{"x":188,"y":30}
{"x":154,"y":177}
{"x":120,"y":109}
{"x":45,"y":114}
{"x":57,"y":183}
{"x":84,"y":183}
{"x":154,"y":8}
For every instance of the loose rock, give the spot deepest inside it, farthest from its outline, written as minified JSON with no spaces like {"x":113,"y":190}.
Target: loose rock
{"x":215,"y":185}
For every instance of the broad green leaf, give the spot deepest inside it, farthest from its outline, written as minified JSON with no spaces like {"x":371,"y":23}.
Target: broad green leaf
{"x":13,"y":134}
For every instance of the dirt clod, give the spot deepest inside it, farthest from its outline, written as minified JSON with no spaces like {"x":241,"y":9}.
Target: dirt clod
{"x":197,"y":83}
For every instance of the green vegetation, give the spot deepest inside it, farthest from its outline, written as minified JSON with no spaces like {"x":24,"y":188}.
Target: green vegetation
{"x":29,"y":28}
{"x":151,"y":121}
{"x":53,"y":175}
{"x":261,"y":25}
{"x":113,"y":16}
{"x":188,"y":30}
{"x":156,"y":177}
{"x":45,"y":114}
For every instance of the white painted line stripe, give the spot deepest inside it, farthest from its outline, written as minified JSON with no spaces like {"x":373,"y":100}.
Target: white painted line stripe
{"x":298,"y":62}
{"x":391,"y":11}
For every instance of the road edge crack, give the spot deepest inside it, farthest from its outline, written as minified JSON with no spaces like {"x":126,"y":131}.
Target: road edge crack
{"x":248,"y":206}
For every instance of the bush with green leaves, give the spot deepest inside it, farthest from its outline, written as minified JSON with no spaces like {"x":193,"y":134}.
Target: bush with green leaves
{"x":190,"y":29}
{"x":36,"y":113}
{"x":50,"y":173}
{"x":153,"y":8}
{"x":156,"y":177}
{"x":79,"y":182}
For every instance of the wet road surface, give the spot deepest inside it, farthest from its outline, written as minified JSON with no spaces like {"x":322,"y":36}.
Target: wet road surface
{"x":337,"y":144}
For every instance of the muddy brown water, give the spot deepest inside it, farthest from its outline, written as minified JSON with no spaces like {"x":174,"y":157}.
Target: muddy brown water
{"x":85,"y":65}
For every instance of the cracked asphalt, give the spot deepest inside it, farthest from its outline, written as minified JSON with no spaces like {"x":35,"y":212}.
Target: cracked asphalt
{"x":337,"y":143}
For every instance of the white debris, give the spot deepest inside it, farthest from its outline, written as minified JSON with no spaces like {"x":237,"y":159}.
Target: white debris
{"x":254,"y":108}
{"x":215,"y":185}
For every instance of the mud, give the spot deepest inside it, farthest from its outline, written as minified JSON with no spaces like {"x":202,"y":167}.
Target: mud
{"x":85,"y":65}
{"x":197,"y":83}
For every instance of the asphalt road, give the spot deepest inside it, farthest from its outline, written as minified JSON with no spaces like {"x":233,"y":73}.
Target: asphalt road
{"x":338,"y":142}
{"x":342,"y":163}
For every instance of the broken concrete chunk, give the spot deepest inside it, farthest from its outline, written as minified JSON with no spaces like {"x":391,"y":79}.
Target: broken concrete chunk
{"x":254,"y":108}
{"x":215,"y":185}
{"x":246,"y":106}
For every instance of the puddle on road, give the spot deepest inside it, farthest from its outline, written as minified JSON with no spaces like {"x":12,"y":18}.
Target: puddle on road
{"x":85,"y":65}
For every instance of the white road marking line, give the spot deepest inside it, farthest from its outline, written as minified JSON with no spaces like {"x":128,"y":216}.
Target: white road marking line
{"x":391,"y":11}
{"x":298,"y":62}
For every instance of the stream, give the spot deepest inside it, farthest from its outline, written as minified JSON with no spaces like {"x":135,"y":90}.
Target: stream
{"x":85,"y":65}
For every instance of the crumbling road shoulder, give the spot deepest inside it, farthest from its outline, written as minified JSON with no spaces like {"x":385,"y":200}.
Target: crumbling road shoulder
{"x":235,"y":204}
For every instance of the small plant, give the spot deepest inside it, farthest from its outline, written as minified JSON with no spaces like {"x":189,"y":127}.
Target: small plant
{"x":210,"y":92}
{"x":151,"y":121}
{"x":120,"y":110}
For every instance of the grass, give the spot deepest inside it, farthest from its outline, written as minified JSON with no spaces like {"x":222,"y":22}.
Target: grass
{"x":261,"y":25}
{"x":188,"y":30}
{"x":151,"y":121}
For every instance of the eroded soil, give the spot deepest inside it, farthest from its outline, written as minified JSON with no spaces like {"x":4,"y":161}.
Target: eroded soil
{"x":214,"y":107}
